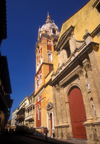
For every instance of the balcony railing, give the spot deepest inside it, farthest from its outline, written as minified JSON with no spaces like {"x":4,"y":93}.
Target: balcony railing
{"x":29,"y":105}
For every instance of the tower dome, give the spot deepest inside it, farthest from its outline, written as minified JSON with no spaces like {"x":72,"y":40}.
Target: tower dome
{"x":49,"y":27}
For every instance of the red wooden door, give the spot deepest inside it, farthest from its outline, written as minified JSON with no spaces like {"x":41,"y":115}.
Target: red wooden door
{"x":78,"y":115}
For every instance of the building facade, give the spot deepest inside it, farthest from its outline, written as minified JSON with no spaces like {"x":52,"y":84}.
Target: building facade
{"x":76,"y":76}
{"x":30,"y":111}
{"x":13,"y":119}
{"x":5,"y":85}
{"x":47,"y":38}
{"x":21,"y":112}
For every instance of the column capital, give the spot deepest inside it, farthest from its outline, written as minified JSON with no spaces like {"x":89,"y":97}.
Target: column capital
{"x":80,"y":72}
{"x":87,"y":65}
{"x":58,"y":88}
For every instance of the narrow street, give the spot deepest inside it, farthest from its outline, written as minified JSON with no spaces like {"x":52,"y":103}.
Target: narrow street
{"x":18,"y":139}
{"x":12,"y":138}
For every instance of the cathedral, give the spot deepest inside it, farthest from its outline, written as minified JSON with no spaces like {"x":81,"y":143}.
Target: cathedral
{"x":75,"y":79}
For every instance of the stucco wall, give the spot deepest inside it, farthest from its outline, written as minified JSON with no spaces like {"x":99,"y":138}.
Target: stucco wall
{"x":86,"y":18}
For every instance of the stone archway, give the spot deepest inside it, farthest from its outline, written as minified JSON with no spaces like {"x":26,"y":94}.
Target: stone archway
{"x":77,"y":112}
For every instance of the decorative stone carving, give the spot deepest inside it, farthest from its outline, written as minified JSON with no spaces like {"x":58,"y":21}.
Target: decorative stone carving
{"x":87,"y":65}
{"x":87,"y":37}
{"x":49,"y":106}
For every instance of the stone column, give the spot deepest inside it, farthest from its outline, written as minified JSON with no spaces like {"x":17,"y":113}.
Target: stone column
{"x":54,"y":106}
{"x":95,"y":95}
{"x":95,"y":69}
{"x":65,"y":124}
{"x":68,"y":117}
{"x":55,"y":111}
{"x":94,"y":90}
{"x":58,"y":96}
{"x":85,"y":96}
{"x":59,"y":112}
{"x":64,"y":114}
{"x":88,"y":110}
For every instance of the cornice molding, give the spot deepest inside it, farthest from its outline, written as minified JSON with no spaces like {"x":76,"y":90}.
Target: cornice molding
{"x":60,"y":74}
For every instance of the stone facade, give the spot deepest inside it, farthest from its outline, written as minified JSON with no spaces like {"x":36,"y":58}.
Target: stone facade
{"x":13,"y":119}
{"x":78,"y":68}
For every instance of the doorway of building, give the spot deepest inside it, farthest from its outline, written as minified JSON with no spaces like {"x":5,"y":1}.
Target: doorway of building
{"x":51,"y":124}
{"x":77,"y":112}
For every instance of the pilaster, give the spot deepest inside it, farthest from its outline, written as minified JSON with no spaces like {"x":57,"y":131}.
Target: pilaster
{"x":64,"y":114}
{"x":94,"y":90}
{"x":55,"y":110}
{"x":85,"y":96}
{"x":54,"y":106}
{"x":59,"y":114}
{"x":58,"y":102}
{"x":93,"y":129}
{"x":95,"y":70}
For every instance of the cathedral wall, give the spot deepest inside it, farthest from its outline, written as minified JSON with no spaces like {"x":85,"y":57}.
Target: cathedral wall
{"x":49,"y":94}
{"x":86,"y":78}
{"x":86,"y":18}
{"x":55,"y":61}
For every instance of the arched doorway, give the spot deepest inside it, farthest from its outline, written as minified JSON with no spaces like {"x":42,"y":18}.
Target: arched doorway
{"x":77,"y":112}
{"x":51,"y":124}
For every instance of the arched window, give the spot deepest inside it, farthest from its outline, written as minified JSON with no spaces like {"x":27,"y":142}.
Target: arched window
{"x":53,"y":31}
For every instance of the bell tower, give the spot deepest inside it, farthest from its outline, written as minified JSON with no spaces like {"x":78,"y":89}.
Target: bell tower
{"x":47,"y":38}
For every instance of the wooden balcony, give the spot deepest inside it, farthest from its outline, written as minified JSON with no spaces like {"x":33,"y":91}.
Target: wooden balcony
{"x":20,"y":118}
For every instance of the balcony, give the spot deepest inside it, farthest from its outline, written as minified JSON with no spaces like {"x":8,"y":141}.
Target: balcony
{"x":20,"y":118}
{"x":29,"y":105}
{"x":29,"y":117}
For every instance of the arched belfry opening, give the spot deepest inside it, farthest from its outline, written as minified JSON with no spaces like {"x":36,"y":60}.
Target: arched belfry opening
{"x":77,"y":113}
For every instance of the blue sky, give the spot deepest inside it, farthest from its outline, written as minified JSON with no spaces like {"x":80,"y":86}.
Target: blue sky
{"x":23,"y":20}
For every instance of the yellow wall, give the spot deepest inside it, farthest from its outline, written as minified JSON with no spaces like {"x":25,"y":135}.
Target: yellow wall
{"x":43,"y":113}
{"x":86,"y":18}
{"x":55,"y":61}
{"x":49,"y":94}
{"x":48,"y":77}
